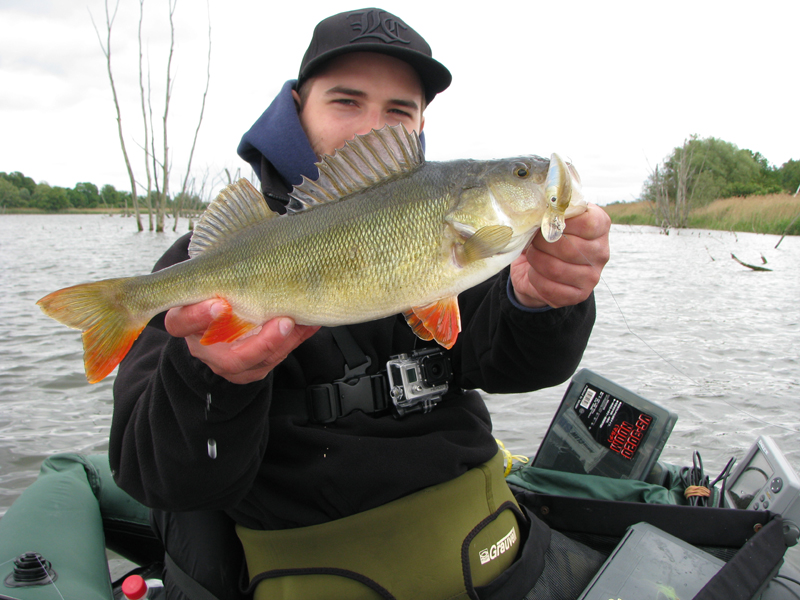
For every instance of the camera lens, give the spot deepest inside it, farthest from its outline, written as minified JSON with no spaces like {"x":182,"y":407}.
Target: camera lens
{"x":435,"y":370}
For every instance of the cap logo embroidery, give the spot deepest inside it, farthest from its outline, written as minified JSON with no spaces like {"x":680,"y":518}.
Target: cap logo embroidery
{"x":372,"y":24}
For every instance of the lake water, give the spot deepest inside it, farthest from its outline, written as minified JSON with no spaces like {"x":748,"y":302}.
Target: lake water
{"x":679,"y":322}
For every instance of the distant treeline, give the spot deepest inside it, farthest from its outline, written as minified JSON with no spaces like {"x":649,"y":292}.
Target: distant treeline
{"x":703,"y":170}
{"x":20,"y":192}
{"x":701,"y":173}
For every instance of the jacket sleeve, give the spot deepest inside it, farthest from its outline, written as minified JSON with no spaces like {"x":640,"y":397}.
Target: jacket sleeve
{"x":505,"y":349}
{"x":171,"y":410}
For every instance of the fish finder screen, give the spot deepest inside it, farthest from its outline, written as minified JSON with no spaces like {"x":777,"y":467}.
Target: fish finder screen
{"x":612,"y":423}
{"x":751,"y":481}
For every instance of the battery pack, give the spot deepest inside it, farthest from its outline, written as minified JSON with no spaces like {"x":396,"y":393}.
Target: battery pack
{"x":603,"y":429}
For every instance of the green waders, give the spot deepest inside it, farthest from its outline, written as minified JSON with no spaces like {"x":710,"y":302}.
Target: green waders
{"x":436,"y":544}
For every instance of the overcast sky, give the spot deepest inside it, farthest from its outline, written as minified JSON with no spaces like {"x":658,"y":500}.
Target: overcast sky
{"x":614,"y":86}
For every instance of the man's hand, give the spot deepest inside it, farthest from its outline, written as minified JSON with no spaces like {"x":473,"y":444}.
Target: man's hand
{"x":565,"y":272}
{"x":244,"y":360}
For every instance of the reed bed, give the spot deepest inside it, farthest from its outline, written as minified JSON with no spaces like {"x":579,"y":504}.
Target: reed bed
{"x":773,"y":214}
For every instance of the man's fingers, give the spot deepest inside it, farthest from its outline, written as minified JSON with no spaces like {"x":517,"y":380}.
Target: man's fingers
{"x":589,"y":225}
{"x":277,"y":338}
{"x":584,"y":240}
{"x":252,"y":357}
{"x":565,"y":272}
{"x":194,"y":319}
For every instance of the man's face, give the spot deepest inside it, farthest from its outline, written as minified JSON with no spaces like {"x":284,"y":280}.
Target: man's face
{"x":356,"y":93}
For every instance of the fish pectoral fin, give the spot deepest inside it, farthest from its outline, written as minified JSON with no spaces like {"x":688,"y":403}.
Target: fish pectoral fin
{"x":439,"y":320}
{"x":227,"y":327}
{"x":486,"y":242}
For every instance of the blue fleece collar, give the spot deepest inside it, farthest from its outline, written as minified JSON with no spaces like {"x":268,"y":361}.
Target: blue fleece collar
{"x":279,"y":137}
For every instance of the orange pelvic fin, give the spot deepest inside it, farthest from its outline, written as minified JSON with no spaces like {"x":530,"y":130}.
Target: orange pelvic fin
{"x":98,"y":310}
{"x":439,"y":320}
{"x":226,"y":327}
{"x":417,"y":325}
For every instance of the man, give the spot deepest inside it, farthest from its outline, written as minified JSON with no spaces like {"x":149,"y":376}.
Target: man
{"x":222,"y":435}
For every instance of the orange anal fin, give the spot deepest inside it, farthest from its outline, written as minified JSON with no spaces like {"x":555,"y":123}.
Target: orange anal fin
{"x":102,"y":353}
{"x":226,"y":327}
{"x":442,"y":320}
{"x":417,"y":326}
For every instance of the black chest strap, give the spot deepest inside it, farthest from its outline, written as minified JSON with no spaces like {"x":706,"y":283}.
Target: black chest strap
{"x":327,"y":402}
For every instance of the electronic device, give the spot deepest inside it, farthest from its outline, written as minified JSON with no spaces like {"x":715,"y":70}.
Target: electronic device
{"x":650,"y":563}
{"x":764,"y":480}
{"x":604,"y":429}
{"x":417,"y":381}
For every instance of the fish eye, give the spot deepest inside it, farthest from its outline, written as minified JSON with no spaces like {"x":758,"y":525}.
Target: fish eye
{"x":521,"y":170}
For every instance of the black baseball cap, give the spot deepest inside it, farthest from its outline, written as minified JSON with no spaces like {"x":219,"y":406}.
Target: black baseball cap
{"x":374,"y":30}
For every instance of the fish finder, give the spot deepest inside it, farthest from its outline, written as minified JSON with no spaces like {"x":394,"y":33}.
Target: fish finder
{"x":604,"y":429}
{"x":764,"y":480}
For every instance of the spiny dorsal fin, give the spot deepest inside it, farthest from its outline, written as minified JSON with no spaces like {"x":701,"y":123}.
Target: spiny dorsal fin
{"x":238,"y":206}
{"x":364,"y":161}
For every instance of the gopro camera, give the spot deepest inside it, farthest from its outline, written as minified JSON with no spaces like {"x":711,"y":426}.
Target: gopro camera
{"x":417,"y":381}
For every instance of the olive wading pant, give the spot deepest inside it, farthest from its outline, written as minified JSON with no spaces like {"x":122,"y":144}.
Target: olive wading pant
{"x":436,"y":544}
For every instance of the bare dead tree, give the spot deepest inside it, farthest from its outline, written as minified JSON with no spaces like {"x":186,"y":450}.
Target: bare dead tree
{"x":687,"y":178}
{"x":152,"y":152}
{"x":165,"y":166}
{"x":146,"y":145}
{"x":662,"y":204}
{"x":682,"y":173}
{"x":672,"y":188}
{"x":157,"y":170}
{"x":182,"y":195}
{"x":788,"y":227}
{"x":106,"y":48}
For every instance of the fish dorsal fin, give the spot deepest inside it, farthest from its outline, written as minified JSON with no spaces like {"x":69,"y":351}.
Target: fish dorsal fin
{"x":366,"y":160}
{"x":236,"y":207}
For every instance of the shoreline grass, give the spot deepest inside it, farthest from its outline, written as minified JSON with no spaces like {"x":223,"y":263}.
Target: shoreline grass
{"x":772,"y":214}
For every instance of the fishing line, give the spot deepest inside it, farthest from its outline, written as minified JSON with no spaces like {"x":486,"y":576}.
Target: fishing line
{"x":657,"y":353}
{"x":44,"y":567}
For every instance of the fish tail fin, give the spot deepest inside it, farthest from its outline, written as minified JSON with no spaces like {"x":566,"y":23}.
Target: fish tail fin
{"x":99,"y":312}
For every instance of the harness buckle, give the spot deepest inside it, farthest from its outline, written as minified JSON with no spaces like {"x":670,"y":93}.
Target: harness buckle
{"x":330,"y":401}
